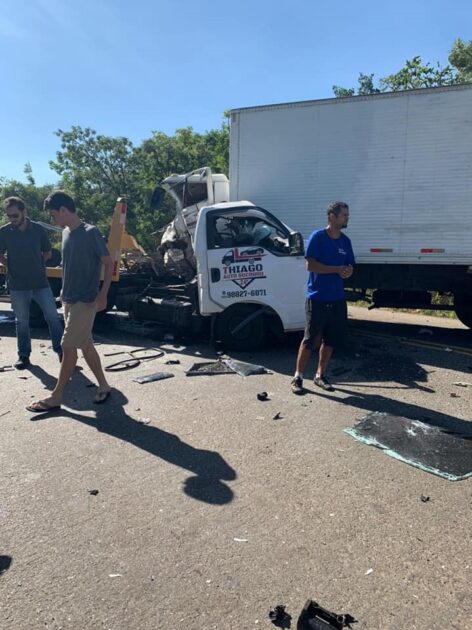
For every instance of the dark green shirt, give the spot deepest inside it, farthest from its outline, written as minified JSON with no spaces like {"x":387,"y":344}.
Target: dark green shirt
{"x":24,"y":250}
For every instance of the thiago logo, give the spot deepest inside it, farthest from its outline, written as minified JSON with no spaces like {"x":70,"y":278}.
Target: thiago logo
{"x":242,"y":266}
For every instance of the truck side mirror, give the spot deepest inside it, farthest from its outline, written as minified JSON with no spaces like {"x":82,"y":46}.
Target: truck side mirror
{"x":296,"y":245}
{"x":157,"y":198}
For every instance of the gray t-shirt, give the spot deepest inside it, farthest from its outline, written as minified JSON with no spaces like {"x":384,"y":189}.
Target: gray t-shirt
{"x":24,"y":250}
{"x":82,"y":250}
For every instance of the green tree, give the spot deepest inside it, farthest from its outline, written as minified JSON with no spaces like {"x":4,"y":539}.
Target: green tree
{"x":32,"y":195}
{"x":418,"y":74}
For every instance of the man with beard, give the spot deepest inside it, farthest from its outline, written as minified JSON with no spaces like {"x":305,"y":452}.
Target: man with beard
{"x":27,"y":248}
{"x":330,"y":260}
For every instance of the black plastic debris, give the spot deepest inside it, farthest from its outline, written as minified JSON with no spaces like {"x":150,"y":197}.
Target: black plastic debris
{"x":278,"y":416}
{"x":424,"y":498}
{"x":262,"y":396}
{"x":209,"y":368}
{"x":157,"y":376}
{"x":436,"y":450}
{"x":314,"y":617}
{"x":172,"y":362}
{"x":280,"y":617}
{"x":93,"y":492}
{"x":5,"y":563}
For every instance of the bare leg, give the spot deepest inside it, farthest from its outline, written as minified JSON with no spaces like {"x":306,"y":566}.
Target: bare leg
{"x":324,"y":359}
{"x":304,"y":354}
{"x":93,"y":361}
{"x":69,"y":361}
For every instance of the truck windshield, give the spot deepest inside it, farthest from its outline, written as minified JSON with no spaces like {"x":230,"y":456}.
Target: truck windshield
{"x":251,"y":227}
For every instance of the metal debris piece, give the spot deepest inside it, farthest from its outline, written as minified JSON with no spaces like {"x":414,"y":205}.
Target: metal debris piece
{"x":173,"y":362}
{"x":240,"y":540}
{"x":245,"y":369}
{"x":453,"y":395}
{"x":263,"y":396}
{"x":462,"y":384}
{"x":278,"y":416}
{"x":93,"y":492}
{"x":150,"y":378}
{"x":209,"y":368}
{"x":280,"y":617}
{"x":144,"y":420}
{"x":424,"y":498}
{"x":314,"y":617}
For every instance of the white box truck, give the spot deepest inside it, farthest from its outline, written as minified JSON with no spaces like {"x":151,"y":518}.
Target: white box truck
{"x":403,"y":163}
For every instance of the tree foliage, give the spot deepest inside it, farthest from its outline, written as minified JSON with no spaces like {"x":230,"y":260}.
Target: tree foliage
{"x":418,"y":74}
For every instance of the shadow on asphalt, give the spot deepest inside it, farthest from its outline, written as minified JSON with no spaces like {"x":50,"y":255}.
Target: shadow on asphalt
{"x":209,"y":469}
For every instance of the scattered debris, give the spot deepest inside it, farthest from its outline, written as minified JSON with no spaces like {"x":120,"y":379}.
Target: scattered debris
{"x":144,"y":420}
{"x":462,"y":384}
{"x":209,"y":368}
{"x":314,"y":617}
{"x":4,"y":413}
{"x":240,"y":540}
{"x":263,"y":396}
{"x":453,"y":395}
{"x":369,"y":571}
{"x":424,"y":498}
{"x":6,"y":368}
{"x":278,"y":416}
{"x":279,"y":617}
{"x":5,"y":563}
{"x":150,"y":378}
{"x":173,"y":362}
{"x":425,"y":331}
{"x":245,"y":369}
{"x":441,"y":451}
{"x":114,"y":575}
{"x":93,"y":492}
{"x":135,"y":357}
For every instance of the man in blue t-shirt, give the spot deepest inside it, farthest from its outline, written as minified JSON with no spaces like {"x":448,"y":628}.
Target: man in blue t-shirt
{"x":329,"y":261}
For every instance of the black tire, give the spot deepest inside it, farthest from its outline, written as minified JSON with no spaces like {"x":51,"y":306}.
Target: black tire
{"x":250,"y":337}
{"x":463,"y":308}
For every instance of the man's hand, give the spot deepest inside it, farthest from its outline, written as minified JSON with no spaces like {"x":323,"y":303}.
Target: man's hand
{"x":346,"y":271}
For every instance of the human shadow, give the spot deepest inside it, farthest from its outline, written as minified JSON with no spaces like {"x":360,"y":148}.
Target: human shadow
{"x":209,"y":469}
{"x":5,"y":563}
{"x":381,"y":404}
{"x":48,"y":380}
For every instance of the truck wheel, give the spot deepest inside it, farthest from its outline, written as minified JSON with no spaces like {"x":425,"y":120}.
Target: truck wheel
{"x":463,"y":308}
{"x":250,"y":337}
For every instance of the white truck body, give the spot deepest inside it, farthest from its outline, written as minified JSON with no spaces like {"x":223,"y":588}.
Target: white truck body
{"x":402,"y":161}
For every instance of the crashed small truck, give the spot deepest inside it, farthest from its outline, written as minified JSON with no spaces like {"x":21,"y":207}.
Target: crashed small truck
{"x":229,"y":268}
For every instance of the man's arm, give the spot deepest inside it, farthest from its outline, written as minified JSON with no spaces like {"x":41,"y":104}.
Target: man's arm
{"x":316,"y":267}
{"x":107,"y":263}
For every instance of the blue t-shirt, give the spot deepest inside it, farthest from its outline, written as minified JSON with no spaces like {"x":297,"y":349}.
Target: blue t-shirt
{"x":328,"y":287}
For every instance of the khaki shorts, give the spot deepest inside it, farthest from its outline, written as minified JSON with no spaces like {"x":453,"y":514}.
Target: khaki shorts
{"x":78,"y":320}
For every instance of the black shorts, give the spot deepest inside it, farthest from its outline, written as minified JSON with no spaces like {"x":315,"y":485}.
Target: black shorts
{"x":325,"y":321}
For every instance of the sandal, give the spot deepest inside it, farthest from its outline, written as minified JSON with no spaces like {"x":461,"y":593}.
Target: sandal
{"x":41,"y":406}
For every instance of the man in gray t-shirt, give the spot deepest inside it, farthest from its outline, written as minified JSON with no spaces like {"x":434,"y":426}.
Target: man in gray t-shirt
{"x":25,"y":249}
{"x":84,"y":252}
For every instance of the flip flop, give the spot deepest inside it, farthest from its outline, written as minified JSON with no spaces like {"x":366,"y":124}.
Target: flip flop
{"x":42,"y":408}
{"x":104,"y":396}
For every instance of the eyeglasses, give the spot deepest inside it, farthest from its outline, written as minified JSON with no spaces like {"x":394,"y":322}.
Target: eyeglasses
{"x":13,"y":216}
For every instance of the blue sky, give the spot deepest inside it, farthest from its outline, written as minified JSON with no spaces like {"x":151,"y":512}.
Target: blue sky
{"x":128,"y":67}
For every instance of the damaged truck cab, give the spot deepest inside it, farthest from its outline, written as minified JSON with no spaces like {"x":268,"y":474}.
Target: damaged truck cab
{"x":243,"y":269}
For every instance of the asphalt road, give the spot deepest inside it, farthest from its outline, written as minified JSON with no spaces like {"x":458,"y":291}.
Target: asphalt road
{"x":209,"y":512}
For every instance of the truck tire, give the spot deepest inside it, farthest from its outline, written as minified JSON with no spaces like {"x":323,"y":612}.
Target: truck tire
{"x":463,"y":308}
{"x":250,"y":337}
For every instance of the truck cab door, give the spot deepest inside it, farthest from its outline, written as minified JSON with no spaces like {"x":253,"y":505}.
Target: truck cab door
{"x":250,"y":259}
